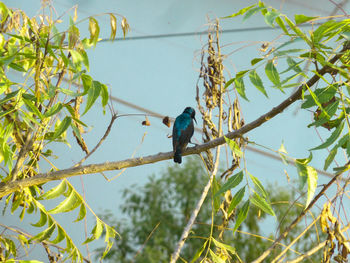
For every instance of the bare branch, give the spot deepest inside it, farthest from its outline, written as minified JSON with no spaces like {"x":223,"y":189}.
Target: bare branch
{"x":313,"y":250}
{"x":296,"y":220}
{"x":7,"y":188}
{"x":114,"y":117}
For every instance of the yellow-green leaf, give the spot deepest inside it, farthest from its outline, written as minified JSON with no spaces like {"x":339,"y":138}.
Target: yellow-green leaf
{"x":113,"y":21}
{"x":237,"y":198}
{"x":261,"y":203}
{"x":44,"y":235}
{"x":69,"y":204}
{"x":234,"y":147}
{"x":232,"y":182}
{"x":240,"y":12}
{"x":62,"y":127}
{"x":93,"y":93}
{"x":257,"y":82}
{"x":242,"y":215}
{"x":42,"y":221}
{"x":311,"y":184}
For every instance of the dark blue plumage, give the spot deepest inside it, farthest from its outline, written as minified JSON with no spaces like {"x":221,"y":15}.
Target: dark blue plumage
{"x":182,"y":132}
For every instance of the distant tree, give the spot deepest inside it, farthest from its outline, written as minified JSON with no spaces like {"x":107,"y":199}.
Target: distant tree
{"x":154,"y":215}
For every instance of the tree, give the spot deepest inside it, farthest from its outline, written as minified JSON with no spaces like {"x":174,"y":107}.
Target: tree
{"x":154,"y":215}
{"x":38,"y":111}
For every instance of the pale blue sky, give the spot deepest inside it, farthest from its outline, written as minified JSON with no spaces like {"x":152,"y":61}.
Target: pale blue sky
{"x":161,"y":74}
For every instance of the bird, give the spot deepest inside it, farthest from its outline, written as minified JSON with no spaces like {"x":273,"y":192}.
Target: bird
{"x":182,"y":132}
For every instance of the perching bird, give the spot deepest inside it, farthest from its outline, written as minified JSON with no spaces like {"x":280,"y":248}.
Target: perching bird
{"x":182,"y":132}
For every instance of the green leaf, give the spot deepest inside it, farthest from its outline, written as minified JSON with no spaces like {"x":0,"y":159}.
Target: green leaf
{"x":258,"y":186}
{"x":93,"y":93}
{"x":61,"y":234}
{"x":228,"y":83}
{"x":223,"y":246}
{"x":71,"y":93}
{"x":32,"y":108}
{"x":257,"y":82}
{"x":301,"y":165}
{"x":104,"y":95}
{"x":76,"y":56}
{"x":53,"y":110}
{"x":216,"y":258}
{"x":330,"y":157}
{"x":199,"y":252}
{"x":110,"y":233}
{"x":232,"y":182}
{"x":62,"y":127}
{"x":97,"y":231}
{"x":87,"y":82}
{"x":255,"y":61}
{"x":17,"y":67}
{"x":323,"y":117}
{"x":323,"y":95}
{"x":297,"y":31}
{"x":239,"y":83}
{"x":42,"y":221}
{"x":335,"y":135}
{"x":240,"y":12}
{"x":237,"y":198}
{"x":17,"y":201}
{"x":82,"y":213}
{"x":252,"y":12}
{"x":342,"y":169}
{"x":293,"y":65}
{"x":270,"y":17}
{"x":44,"y":235}
{"x":281,"y":24}
{"x":216,"y":187}
{"x":69,"y":204}
{"x":261,"y":203}
{"x":4,"y":11}
{"x":234,"y":147}
{"x":241,"y":74}
{"x":54,"y":192}
{"x":9,"y":97}
{"x":299,"y":19}
{"x":272,"y":74}
{"x":311,"y":184}
{"x":242,"y":215}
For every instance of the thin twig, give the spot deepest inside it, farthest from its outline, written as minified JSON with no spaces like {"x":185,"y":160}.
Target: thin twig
{"x":144,"y":244}
{"x":114,"y":117}
{"x":313,"y":250}
{"x":195,"y":212}
{"x":296,"y":220}
{"x":296,"y":239}
{"x":30,"y":236}
{"x":7,"y":188}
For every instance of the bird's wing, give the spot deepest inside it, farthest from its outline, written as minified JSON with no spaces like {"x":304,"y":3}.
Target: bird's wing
{"x":183,"y":131}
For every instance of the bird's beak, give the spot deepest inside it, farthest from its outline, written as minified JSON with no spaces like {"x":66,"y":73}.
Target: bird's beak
{"x":195,"y":119}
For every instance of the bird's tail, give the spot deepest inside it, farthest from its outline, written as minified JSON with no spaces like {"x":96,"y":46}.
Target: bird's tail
{"x":177,"y":156}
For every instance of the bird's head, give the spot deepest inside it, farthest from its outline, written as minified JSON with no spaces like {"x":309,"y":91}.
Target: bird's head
{"x":190,"y":111}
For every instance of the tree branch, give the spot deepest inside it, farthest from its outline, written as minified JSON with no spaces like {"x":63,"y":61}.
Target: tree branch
{"x":296,"y":220}
{"x":7,"y":188}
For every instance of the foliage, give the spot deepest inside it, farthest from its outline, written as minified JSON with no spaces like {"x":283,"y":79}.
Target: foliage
{"x":37,"y":109}
{"x":154,"y":216}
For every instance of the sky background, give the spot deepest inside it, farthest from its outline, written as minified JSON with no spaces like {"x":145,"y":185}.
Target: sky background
{"x":161,"y":74}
